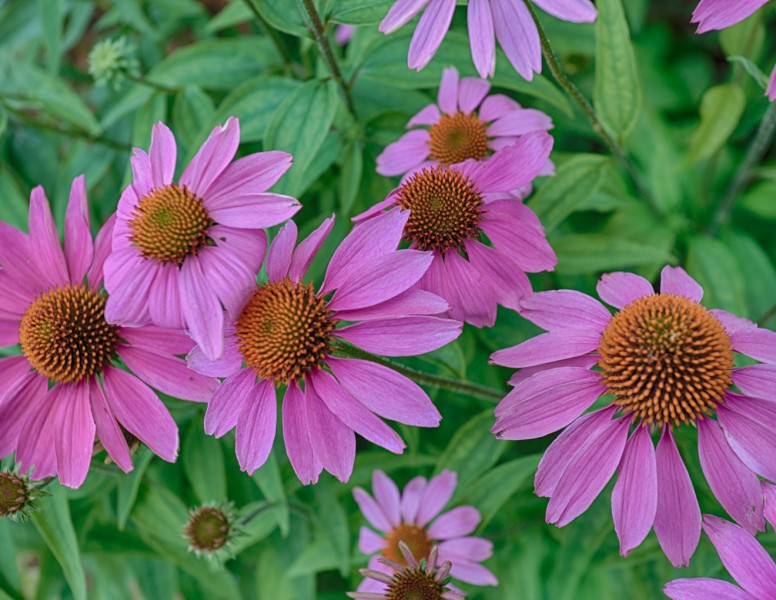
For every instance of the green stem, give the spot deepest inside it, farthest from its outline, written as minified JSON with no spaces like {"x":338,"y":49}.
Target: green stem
{"x":152,"y":84}
{"x":756,"y":152}
{"x":273,"y":36}
{"x":577,"y":96}
{"x":319,"y":33}
{"x":459,"y":387}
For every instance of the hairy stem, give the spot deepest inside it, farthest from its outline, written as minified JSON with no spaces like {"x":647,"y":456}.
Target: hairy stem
{"x":759,"y":146}
{"x":577,"y":96}
{"x":460,"y":387}
{"x":319,"y":33}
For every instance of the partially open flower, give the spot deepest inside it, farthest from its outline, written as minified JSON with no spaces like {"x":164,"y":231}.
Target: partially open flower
{"x":210,"y":529}
{"x":414,"y":580}
{"x":18,"y":495}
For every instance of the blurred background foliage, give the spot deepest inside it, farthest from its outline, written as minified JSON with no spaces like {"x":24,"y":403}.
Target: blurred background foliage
{"x":685,"y":108}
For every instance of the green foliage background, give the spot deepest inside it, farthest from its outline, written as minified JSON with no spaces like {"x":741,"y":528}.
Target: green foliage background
{"x":684,"y":107}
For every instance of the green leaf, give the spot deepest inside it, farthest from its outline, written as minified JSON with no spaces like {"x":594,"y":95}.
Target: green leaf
{"x":333,"y":523}
{"x":272,"y":580}
{"x":285,"y":15}
{"x":299,"y":126}
{"x":51,"y":16}
{"x":472,"y":450}
{"x":721,"y":110}
{"x":203,"y":463}
{"x":758,"y":273}
{"x":350,"y":177}
{"x":56,"y":528}
{"x":129,"y":486}
{"x":360,"y":12}
{"x":574,"y":182}
{"x":267,"y":477}
{"x":9,"y":575}
{"x":218,"y":64}
{"x":491,"y":491}
{"x":715,"y":267}
{"x":192,"y":108}
{"x":617,"y":94}
{"x":236,"y":12}
{"x":592,"y":253}
{"x":745,"y":38}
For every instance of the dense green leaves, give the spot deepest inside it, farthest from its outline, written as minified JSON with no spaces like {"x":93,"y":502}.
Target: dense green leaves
{"x":721,"y":109}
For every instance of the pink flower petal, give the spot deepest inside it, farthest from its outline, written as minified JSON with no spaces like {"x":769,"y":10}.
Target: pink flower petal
{"x":255,"y":211}
{"x":436,"y":494}
{"x":576,"y":11}
{"x":165,"y":310}
{"x":368,"y":541}
{"x":385,"y":392}
{"x":750,"y":439}
{"x":212,"y":159}
{"x":514,"y":237}
{"x":472,"y":573}
{"x":735,"y":486}
{"x":515,"y":166}
{"x":413,"y":302}
{"x":334,"y":443}
{"x":142,"y":178}
{"x":141,"y":412}
{"x":544,"y":348}
{"x":75,"y":431}
{"x":448,"y":91}
{"x":472,"y":549}
{"x":21,"y":400}
{"x":771,"y":89}
{"x":719,"y":14}
{"x":227,"y":402}
{"x":732,"y":323}
{"x":471,"y":91}
{"x":634,"y":499}
{"x":455,"y":523}
{"x":678,"y":517}
{"x":410,"y":499}
{"x":759,"y":344}
{"x":744,"y":558}
{"x":37,"y":437}
{"x":520,"y":122}
{"x":256,"y":426}
{"x":769,"y":491}
{"x":372,"y":510}
{"x":168,"y":374}
{"x":401,"y":13}
{"x":128,"y":279}
{"x":426,"y":116}
{"x":162,"y":155}
{"x":201,"y":309}
{"x":354,"y":414}
{"x":675,"y":280}
{"x":482,"y":37}
{"x":297,"y":440}
{"x":403,"y":155}
{"x":471,"y":298}
{"x":704,"y":589}
{"x":103,"y":246}
{"x":496,"y":106}
{"x":227,"y":365}
{"x":157,"y":339}
{"x":430,"y":32}
{"x":248,"y":176}
{"x":79,"y":249}
{"x":584,"y":362}
{"x":507,"y":281}
{"x":307,"y":249}
{"x":387,"y":496}
{"x":280,"y":251}
{"x":43,"y":235}
{"x":587,"y":474}
{"x":518,"y":36}
{"x":108,"y":431}
{"x":565,"y":310}
{"x":620,"y":289}
{"x":402,"y":336}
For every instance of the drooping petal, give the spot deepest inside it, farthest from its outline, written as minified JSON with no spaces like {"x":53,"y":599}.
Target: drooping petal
{"x":718,"y":14}
{"x":430,"y":32}
{"x":37,"y":436}
{"x":165,"y":310}
{"x":620,"y":289}
{"x":226,"y":405}
{"x":201,"y":309}
{"x":256,"y":426}
{"x":211,"y":159}
{"x":634,"y":499}
{"x":21,"y":398}
{"x":744,"y":558}
{"x":157,"y":339}
{"x":162,"y":155}
{"x":513,"y":236}
{"x":678,"y":517}
{"x":385,"y":392}
{"x":753,"y":442}
{"x":79,"y":249}
{"x":482,"y":37}
{"x":544,"y":348}
{"x":334,"y":443}
{"x":565,"y":309}
{"x":401,"y":13}
{"x":518,"y":36}
{"x":735,"y":486}
{"x":576,"y":11}
{"x":587,"y":474}
{"x":675,"y":280}
{"x":471,"y":298}
{"x":458,"y":522}
{"x":704,"y":589}
{"x":141,"y":412}
{"x":108,"y":431}
{"x":295,"y":435}
{"x":585,"y":362}
{"x":402,"y":336}
{"x":769,"y":492}
{"x":128,"y":279}
{"x":75,"y":431}
{"x":436,"y":494}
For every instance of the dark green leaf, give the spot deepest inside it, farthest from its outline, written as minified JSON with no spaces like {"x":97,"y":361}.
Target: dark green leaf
{"x":721,"y":110}
{"x":595,"y":253}
{"x":267,"y":477}
{"x":715,"y":267}
{"x":129,"y":486}
{"x":203,"y":463}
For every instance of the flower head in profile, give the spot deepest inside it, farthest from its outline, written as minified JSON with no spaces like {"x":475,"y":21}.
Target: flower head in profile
{"x":289,"y":334}
{"x":744,"y":558}
{"x":453,"y":209}
{"x":465,"y":124}
{"x":410,"y":579}
{"x":183,"y":251}
{"x":18,"y":495}
{"x":508,"y":21}
{"x":414,"y":518}
{"x":666,"y":362}
{"x":66,"y":389}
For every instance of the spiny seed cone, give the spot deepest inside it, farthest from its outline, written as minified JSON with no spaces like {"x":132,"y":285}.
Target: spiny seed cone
{"x":458,"y":137}
{"x":284,"y":331}
{"x":169,"y":224}
{"x":15,"y":494}
{"x":415,"y":584}
{"x":65,"y":336}
{"x":208,"y":529}
{"x":666,"y":359}
{"x":416,"y":539}
{"x":445,"y":209}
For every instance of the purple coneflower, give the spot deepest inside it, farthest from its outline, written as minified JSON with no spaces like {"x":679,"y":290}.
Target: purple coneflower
{"x":413,"y":517}
{"x":508,"y":21}
{"x":451,"y":209}
{"x":409,"y":579}
{"x":665,"y":361}
{"x":182,"y":250}
{"x":65,"y":389}
{"x":744,"y":558}
{"x":288,"y":334}
{"x":465,"y":124}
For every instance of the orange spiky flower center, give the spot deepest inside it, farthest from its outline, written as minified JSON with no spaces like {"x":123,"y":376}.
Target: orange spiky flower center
{"x":169,"y":224}
{"x":284,"y":331}
{"x":414,"y":536}
{"x":458,"y":137}
{"x":65,"y":336}
{"x":666,"y":359}
{"x":445,"y":209}
{"x":415,"y":584}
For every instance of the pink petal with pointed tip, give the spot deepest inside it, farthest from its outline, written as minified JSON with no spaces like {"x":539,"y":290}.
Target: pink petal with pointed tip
{"x":565,"y":310}
{"x":411,"y":150}
{"x":518,"y":36}
{"x":576,"y":11}
{"x":201,"y":309}
{"x":280,"y":251}
{"x":212,"y":159}
{"x":413,"y":302}
{"x":704,"y":589}
{"x":759,"y":344}
{"x":248,"y":176}
{"x":545,"y":348}
{"x":430,"y":32}
{"x":228,"y":401}
{"x":401,"y":13}
{"x":675,"y":280}
{"x":371,"y":510}
{"x":79,"y":249}
{"x":162,"y":155}
{"x":471,"y":92}
{"x":256,"y":427}
{"x":308,"y":248}
{"x":297,"y":440}
{"x":619,"y":289}
{"x":387,"y":496}
{"x":402,"y":336}
{"x":108,"y":430}
{"x":74,"y":437}
{"x":43,"y":235}
{"x":255,"y":211}
{"x":410,"y":499}
{"x":448,"y":91}
{"x":455,"y":523}
{"x":482,"y":37}
{"x":334,"y":443}
{"x":436,"y":494}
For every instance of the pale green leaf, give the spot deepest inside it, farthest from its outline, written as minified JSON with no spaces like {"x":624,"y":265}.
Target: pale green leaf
{"x":721,"y":110}
{"x":715,"y":267}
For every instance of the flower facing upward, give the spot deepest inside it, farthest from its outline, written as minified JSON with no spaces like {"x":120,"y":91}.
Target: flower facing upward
{"x":414,"y":518}
{"x":182,"y":250}
{"x":508,"y":21}
{"x":288,"y":334}
{"x":410,"y":579}
{"x":64,"y":390}
{"x":666,"y":362}
{"x":744,"y":558}
{"x":465,"y":124}
{"x":450,"y":211}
